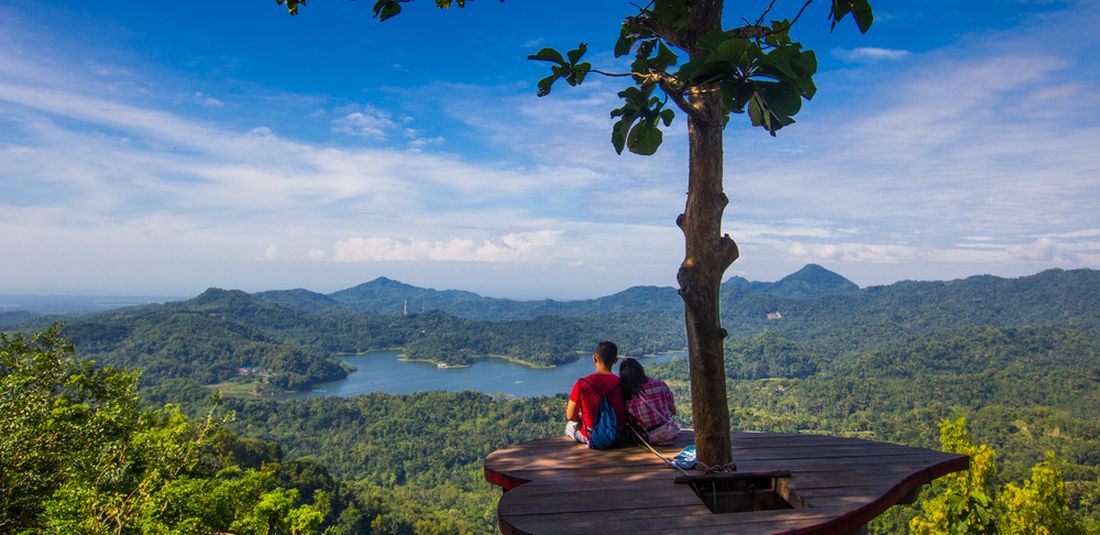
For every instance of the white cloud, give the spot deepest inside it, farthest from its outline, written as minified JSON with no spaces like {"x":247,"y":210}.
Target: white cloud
{"x":853,"y":252}
{"x":271,"y":253}
{"x":368,"y":122}
{"x":977,"y":156}
{"x":1083,"y":233}
{"x":1044,"y":250}
{"x":870,"y":54}
{"x":207,"y":100}
{"x":513,"y":247}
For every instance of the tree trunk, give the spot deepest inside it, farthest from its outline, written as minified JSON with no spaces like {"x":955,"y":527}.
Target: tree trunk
{"x":708,"y":254}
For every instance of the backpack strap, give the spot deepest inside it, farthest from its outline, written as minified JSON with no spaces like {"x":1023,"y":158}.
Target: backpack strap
{"x":597,"y":391}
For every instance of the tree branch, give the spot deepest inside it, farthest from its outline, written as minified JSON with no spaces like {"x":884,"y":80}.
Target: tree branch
{"x":675,"y":91}
{"x":615,"y":74}
{"x":765,"y":13}
{"x":644,"y":22}
{"x":758,"y":31}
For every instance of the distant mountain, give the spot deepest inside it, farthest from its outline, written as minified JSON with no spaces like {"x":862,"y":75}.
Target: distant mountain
{"x":295,"y":333}
{"x":298,"y":298}
{"x":881,"y":313}
{"x":388,"y":296}
{"x":809,"y":282}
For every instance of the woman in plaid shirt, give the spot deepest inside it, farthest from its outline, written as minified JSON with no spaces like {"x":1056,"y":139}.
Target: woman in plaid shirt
{"x":649,"y":403}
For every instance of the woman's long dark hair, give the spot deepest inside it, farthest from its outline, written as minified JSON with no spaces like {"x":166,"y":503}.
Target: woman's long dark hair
{"x":631,"y":377}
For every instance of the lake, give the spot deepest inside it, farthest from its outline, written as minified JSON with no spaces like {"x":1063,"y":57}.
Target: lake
{"x":381,"y":371}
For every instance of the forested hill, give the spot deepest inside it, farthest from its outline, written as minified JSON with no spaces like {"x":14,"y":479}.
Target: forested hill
{"x":393,"y":297}
{"x":883,"y":313}
{"x":806,"y":283}
{"x":1019,"y":357}
{"x":809,"y":299}
{"x":387,"y":296}
{"x":289,"y":339}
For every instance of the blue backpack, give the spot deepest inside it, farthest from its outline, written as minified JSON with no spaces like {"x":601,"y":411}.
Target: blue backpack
{"x":605,"y":434}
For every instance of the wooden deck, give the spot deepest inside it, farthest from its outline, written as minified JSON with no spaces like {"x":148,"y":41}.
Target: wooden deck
{"x":836,"y":485}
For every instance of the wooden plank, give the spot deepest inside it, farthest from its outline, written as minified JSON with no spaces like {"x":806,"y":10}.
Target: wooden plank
{"x":521,"y":501}
{"x":845,"y":481}
{"x":731,"y":476}
{"x":646,"y":521}
{"x":856,"y":464}
{"x":821,"y":452}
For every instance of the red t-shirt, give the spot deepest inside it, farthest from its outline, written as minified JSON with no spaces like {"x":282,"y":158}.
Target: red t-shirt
{"x":588,"y":400}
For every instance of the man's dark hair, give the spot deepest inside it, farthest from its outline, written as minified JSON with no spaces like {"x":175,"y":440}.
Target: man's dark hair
{"x":608,"y":353}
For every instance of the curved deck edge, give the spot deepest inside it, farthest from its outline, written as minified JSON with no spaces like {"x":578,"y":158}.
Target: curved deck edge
{"x":847,"y":521}
{"x":502,"y":480}
{"x":858,"y":518}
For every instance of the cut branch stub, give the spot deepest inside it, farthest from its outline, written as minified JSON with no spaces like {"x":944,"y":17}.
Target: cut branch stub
{"x":728,"y":251}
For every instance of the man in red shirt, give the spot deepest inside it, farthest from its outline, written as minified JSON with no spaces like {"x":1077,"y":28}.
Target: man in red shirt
{"x":584,"y":401}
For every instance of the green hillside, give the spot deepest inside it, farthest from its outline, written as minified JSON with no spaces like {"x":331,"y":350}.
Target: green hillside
{"x":1020,"y":358}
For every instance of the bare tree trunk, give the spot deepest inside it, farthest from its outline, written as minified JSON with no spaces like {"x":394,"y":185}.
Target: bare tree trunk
{"x":708,"y":255}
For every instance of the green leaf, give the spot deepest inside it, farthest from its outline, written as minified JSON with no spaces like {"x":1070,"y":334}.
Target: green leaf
{"x":778,"y":58}
{"x":805,"y":62}
{"x":837,"y":12}
{"x":980,"y":497}
{"x":780,"y":37}
{"x":736,"y":94}
{"x":386,"y":9}
{"x":623,"y":45}
{"x":861,"y":10}
{"x":546,"y":83}
{"x":699,"y":73}
{"x":712,"y":40}
{"x":576,"y":53}
{"x":783,"y":98}
{"x":548,"y":54}
{"x":644,"y":139}
{"x":667,"y":115}
{"x":580,"y":71}
{"x":732,"y":50}
{"x":756,"y":110}
{"x":665,"y":58}
{"x":806,"y":87}
{"x":618,"y":134}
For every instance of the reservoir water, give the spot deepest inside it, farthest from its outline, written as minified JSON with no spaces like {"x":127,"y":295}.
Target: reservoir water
{"x":381,"y":371}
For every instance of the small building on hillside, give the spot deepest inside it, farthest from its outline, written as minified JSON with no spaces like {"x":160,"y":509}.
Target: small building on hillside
{"x":775,"y":315}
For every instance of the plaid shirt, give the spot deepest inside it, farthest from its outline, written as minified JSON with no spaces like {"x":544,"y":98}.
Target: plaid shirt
{"x":652,"y":406}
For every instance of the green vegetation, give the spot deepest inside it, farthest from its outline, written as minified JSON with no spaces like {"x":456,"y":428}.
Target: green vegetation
{"x":901,"y":359}
{"x":968,"y":502}
{"x":80,"y":454}
{"x":293,"y":336}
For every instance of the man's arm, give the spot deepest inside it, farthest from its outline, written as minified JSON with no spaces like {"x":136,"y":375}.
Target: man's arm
{"x":571,"y":409}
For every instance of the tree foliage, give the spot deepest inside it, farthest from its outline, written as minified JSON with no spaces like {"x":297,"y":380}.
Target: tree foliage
{"x":79,"y":453}
{"x":969,"y":502}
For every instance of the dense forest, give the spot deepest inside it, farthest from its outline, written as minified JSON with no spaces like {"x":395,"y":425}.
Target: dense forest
{"x":1018,"y":358}
{"x":288,"y":339}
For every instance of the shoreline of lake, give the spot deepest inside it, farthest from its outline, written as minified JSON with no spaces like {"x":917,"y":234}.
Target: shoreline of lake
{"x":388,"y":372}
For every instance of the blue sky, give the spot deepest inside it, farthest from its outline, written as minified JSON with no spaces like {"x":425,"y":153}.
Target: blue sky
{"x":164,"y":147}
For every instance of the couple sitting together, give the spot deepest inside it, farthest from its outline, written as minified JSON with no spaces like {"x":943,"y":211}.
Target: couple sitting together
{"x":603,"y":405}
